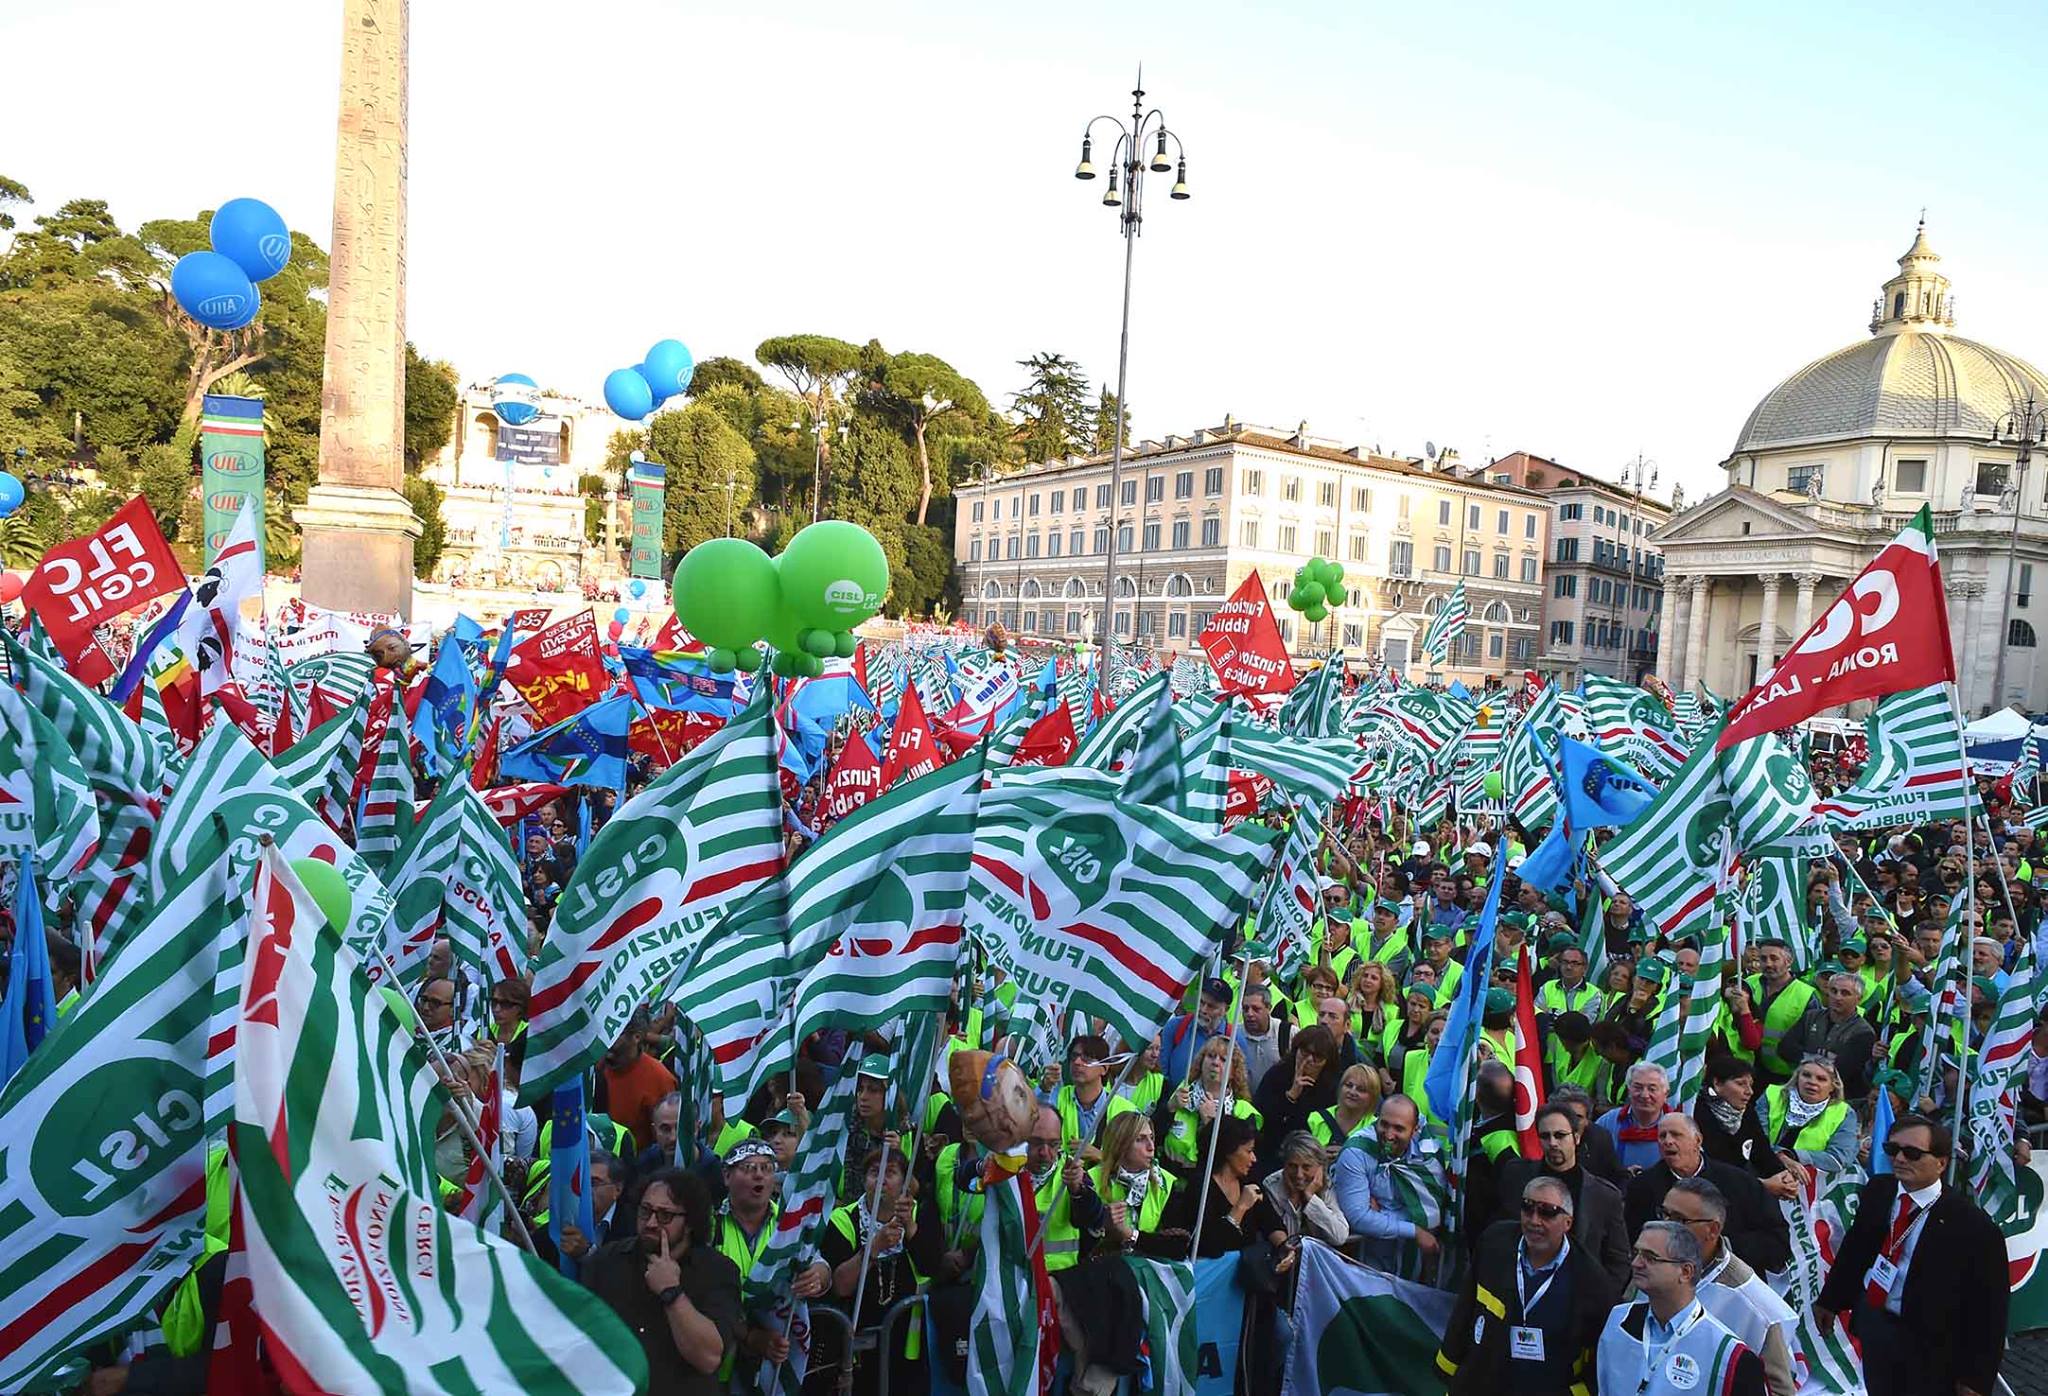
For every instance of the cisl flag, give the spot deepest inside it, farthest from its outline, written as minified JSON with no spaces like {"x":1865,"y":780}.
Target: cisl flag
{"x":1244,"y":645}
{"x":93,"y":579}
{"x":1887,"y":632}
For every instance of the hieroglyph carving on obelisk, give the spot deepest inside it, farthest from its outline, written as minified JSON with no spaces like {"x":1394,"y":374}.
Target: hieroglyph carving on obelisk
{"x":358,"y":530}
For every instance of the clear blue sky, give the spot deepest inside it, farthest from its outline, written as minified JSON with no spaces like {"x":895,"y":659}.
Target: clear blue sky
{"x":1587,"y":230}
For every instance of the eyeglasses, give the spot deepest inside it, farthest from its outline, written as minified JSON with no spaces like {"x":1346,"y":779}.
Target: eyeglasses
{"x":1666,"y":1214}
{"x":662,"y":1215}
{"x":505,"y":1003}
{"x":1908,"y":1153}
{"x":1549,"y":1211}
{"x":1651,"y":1257}
{"x":428,"y":1001}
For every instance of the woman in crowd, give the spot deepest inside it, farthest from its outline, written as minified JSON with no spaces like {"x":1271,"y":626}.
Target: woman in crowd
{"x":1133,"y":1188}
{"x":1299,"y":1190}
{"x":1635,"y":1011}
{"x":1358,"y":1104}
{"x":1729,"y":1130}
{"x":1418,"y":1003}
{"x":1296,"y":1087}
{"x":1237,"y":1212}
{"x":1318,"y":982}
{"x":899,"y":1254}
{"x":1216,"y":1080}
{"x":1808,"y":1123}
{"x":1375,"y":1009}
{"x":1141,"y":1082}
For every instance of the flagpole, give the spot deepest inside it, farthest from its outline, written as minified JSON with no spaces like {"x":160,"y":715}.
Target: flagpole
{"x":1216,"y":1129}
{"x":1963,"y":952}
{"x":867,"y":1249}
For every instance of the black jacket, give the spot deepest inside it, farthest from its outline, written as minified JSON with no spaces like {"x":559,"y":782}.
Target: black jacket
{"x":1490,"y":1304}
{"x":1598,"y":1221}
{"x":1597,"y":1155}
{"x":1756,"y":1223}
{"x":1748,"y":1147}
{"x":1956,"y":1287}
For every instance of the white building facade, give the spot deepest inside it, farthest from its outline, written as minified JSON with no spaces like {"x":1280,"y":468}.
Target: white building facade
{"x":1834,"y":461}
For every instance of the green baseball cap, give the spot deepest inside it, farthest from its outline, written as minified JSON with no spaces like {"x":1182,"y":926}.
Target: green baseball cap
{"x":874,"y":1066}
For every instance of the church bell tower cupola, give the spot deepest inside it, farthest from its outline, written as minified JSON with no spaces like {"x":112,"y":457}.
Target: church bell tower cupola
{"x":1918,"y":297}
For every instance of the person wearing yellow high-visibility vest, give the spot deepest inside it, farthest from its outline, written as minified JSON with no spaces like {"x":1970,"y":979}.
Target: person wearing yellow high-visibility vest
{"x":1779,"y":1000}
{"x":1436,"y":952}
{"x":900,"y":1254}
{"x":1068,"y":1204}
{"x":1571,"y":991}
{"x":1357,"y":1107}
{"x":740,"y":1231}
{"x":1216,"y":1081}
{"x":1084,"y":1104}
{"x":184,"y":1317}
{"x":1808,"y":1122}
{"x":1133,"y":1188}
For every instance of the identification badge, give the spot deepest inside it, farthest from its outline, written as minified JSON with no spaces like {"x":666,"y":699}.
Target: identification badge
{"x":1682,"y":1372}
{"x":1478,"y":1330}
{"x":1525,"y":1344}
{"x":1882,"y":1273}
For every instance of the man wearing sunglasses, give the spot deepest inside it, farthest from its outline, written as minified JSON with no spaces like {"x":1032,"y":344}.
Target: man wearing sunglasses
{"x":1921,"y":1276}
{"x":1664,"y":1342}
{"x":1532,"y":1306}
{"x":1730,"y":1290}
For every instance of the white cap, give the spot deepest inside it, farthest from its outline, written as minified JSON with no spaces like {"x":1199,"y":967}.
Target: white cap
{"x":1482,"y":848}
{"x":1422,"y":848}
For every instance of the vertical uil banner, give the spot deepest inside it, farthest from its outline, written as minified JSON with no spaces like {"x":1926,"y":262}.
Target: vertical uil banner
{"x":648,"y":481}
{"x":231,"y":450}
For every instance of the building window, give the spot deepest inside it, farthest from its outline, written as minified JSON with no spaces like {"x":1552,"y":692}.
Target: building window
{"x":1471,"y":561}
{"x":1184,"y":485}
{"x":1326,"y":494}
{"x":1059,"y":499}
{"x":1152,"y":537}
{"x":995,"y":510}
{"x":1031,"y":622}
{"x":1249,"y":534}
{"x":1443,"y":513}
{"x":1075,"y":620}
{"x":1155,"y":488}
{"x":1354,"y":635}
{"x":1031,"y":545}
{"x":1177,"y":626}
{"x":1123,"y":538}
{"x":1472,"y":517}
{"x":1565,"y":584}
{"x":1326,"y":542}
{"x":1254,"y":483}
{"x":1290,"y":488}
{"x":1570,"y":511}
{"x":1496,"y":613}
{"x":1127,"y":493}
{"x":1080,"y":498}
{"x":1077,"y":542}
{"x":1361,"y":499}
{"x":1180,"y":533}
{"x":1034,"y":506}
{"x":1102,"y":495}
{"x":976,"y":515}
{"x":1500,"y":522}
{"x":1909,"y":477}
{"x":974,"y":550}
{"x":1560,"y":632}
{"x":1441,"y":559}
{"x":1528,"y":569}
{"x":1123,"y":622}
{"x":1991,"y":476}
{"x":1358,"y":542}
{"x":1052,"y":548}
{"x":2026,"y":586}
{"x":1495,"y":643}
{"x":1287,"y":538}
{"x":1401,"y":558}
{"x":1528,"y":525}
{"x":1801,"y":478}
{"x":2019,"y":635}
{"x":1567,"y":550}
{"x":1212,"y":480}
{"x":1200,"y":621}
{"x":1287,"y":628}
{"x":1212,"y":532}
{"x":1102,"y":540}
{"x":1500,"y":566}
{"x":1471,"y":644}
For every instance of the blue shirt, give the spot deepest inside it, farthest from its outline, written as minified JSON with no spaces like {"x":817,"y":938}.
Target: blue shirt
{"x":1365,"y":1194}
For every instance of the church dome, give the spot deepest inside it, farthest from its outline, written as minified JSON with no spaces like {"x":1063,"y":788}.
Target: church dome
{"x":1911,"y":378}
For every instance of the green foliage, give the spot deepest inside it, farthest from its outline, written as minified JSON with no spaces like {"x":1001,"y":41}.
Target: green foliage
{"x":425,"y":498}
{"x":1105,"y":424}
{"x":701,"y":452}
{"x":1054,"y":415}
{"x":814,"y":364}
{"x":12,"y":191}
{"x":166,"y":478}
{"x":430,"y":403}
{"x":720,"y":371}
{"x":22,"y":541}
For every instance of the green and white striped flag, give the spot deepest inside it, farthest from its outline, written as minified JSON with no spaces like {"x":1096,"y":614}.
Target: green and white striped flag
{"x":1769,"y":793}
{"x":1113,"y":737}
{"x":1002,"y":1335}
{"x":1667,"y":1028}
{"x":862,"y":929}
{"x":1002,"y":748}
{"x":419,"y":883}
{"x":1669,"y":859}
{"x":1304,"y":768}
{"x":1105,"y":908}
{"x":359,"y":1278}
{"x":654,"y":882}
{"x":1917,"y":772}
{"x":1998,"y":1071}
{"x":1315,"y":708}
{"x":809,"y":1191}
{"x":320,"y":768}
{"x":1446,"y":627}
{"x":1818,"y":1223}
{"x":1157,"y":770}
{"x":1773,"y":903}
{"x":46,"y":798}
{"x":1206,"y":761}
{"x":103,"y":1137}
{"x":1172,"y":1340}
{"x":387,"y":814}
{"x":1702,"y":1011}
{"x":484,"y":913}
{"x":1634,"y":724}
{"x":1525,"y":772}
{"x":1287,"y":917}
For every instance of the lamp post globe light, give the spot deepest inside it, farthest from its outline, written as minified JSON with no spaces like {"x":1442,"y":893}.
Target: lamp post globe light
{"x":1128,"y":166}
{"x":2025,"y":428}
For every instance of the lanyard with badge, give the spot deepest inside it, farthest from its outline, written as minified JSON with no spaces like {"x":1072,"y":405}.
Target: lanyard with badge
{"x":1683,"y":1372}
{"x":1525,"y":1340}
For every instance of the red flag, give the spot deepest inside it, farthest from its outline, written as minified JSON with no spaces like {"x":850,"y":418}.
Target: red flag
{"x":1244,"y":645}
{"x":240,"y":711}
{"x":483,"y":771}
{"x":856,"y":778}
{"x":93,"y":579}
{"x":528,"y":618}
{"x":913,"y":750}
{"x":663,"y":736}
{"x":1243,"y":795}
{"x":1886,"y":633}
{"x":509,"y":804}
{"x":559,"y":670}
{"x":1050,"y":741}
{"x":1528,"y":1060}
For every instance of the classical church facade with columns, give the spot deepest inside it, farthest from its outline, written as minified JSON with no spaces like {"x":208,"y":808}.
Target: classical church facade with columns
{"x":1835,"y":460}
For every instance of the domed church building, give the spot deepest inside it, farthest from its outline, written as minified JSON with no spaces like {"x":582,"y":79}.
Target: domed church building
{"x":1835,"y":460}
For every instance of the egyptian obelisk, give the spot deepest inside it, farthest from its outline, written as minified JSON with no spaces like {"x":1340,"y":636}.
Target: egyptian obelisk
{"x":358,"y":529}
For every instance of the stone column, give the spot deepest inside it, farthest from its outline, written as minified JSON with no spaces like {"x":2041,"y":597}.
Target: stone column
{"x":1672,"y":651}
{"x":1696,"y":630}
{"x":358,"y":529}
{"x":1802,"y":602}
{"x":1767,"y":626}
{"x":1967,"y":687}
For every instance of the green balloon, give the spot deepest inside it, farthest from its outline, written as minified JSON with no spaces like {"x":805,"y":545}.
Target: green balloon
{"x":845,"y":643}
{"x":328,"y":889}
{"x":1492,"y":785}
{"x":1297,"y":599}
{"x":818,"y":642}
{"x":1333,"y":573}
{"x":1316,"y":614}
{"x":809,"y":665}
{"x":785,"y":664}
{"x":747,"y":660}
{"x":834,"y":575}
{"x":1313,"y":594}
{"x":726,"y":592}
{"x":785,"y":630}
{"x":723,"y":661}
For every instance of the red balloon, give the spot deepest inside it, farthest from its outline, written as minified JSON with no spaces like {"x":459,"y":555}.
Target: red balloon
{"x":11,"y":584}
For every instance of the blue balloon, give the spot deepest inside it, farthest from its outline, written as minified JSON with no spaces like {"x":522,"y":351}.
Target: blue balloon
{"x":622,"y":615}
{"x":669,"y":367}
{"x":627,"y":394}
{"x":512,"y":398}
{"x":659,"y":396}
{"x":638,"y":589}
{"x":214,"y":291}
{"x":249,"y":233}
{"x":10,"y":495}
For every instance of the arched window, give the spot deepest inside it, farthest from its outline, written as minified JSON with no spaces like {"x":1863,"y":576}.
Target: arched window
{"x":2020,"y":635}
{"x":1180,"y":584}
{"x":1030,"y":588}
{"x":1125,"y":588}
{"x":992,"y":589}
{"x":1433,"y":605}
{"x":1073,"y":588}
{"x":1496,"y":612}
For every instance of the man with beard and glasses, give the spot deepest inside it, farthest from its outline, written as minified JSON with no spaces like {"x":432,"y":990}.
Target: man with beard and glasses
{"x":680,"y":1298}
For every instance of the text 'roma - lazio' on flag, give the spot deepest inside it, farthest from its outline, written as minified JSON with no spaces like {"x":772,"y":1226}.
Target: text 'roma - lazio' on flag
{"x":358,"y":1278}
{"x":655,"y":880}
{"x":1887,"y":632}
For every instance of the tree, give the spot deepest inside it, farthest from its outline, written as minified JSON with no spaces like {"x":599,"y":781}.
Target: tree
{"x":700,"y":452}
{"x":165,"y":476}
{"x":430,"y":405}
{"x":12,"y":191}
{"x":424,"y":497}
{"x":1106,"y":424}
{"x":720,"y":371}
{"x":923,"y":390}
{"x":1054,"y":417}
{"x":817,"y":366}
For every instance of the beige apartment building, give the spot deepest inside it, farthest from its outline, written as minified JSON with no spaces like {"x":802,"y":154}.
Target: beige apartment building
{"x":1196,"y":514}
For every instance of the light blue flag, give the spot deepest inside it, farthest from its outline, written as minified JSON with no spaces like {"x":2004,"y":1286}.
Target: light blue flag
{"x":1450,"y":1066}
{"x":30,"y":1007}
{"x":1597,"y":789}
{"x":569,"y":1171}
